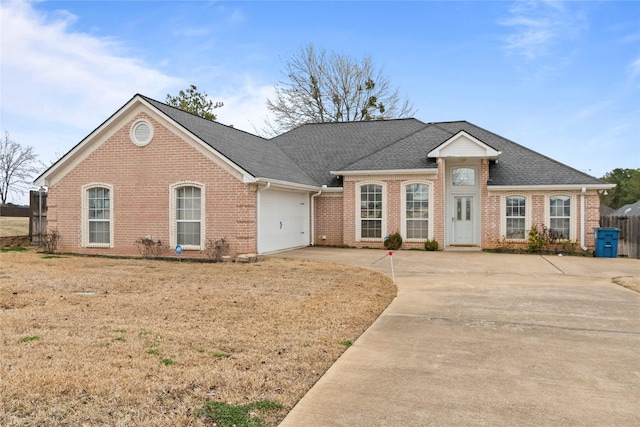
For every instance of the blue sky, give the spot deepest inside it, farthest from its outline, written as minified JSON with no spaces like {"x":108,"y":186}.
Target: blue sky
{"x":562,"y":78}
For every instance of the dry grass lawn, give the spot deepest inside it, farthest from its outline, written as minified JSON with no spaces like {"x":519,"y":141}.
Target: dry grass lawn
{"x":629,"y":282}
{"x":131,"y":342}
{"x":11,"y":226}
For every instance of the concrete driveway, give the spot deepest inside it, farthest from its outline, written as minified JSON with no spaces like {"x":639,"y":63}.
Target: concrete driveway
{"x":486,"y":339}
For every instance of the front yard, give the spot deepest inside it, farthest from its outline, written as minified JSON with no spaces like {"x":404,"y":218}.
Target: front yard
{"x":133,"y":342}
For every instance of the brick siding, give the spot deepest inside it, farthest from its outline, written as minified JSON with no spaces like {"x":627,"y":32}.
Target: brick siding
{"x":141,"y":177}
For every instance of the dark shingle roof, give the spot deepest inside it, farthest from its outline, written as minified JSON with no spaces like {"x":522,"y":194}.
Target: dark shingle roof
{"x":307,"y":154}
{"x":258,"y":156}
{"x":519,"y":165}
{"x":323,"y":147}
{"x":627,"y":210}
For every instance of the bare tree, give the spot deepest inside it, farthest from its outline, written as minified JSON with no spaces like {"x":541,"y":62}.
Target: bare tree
{"x":329,"y":87}
{"x":18,"y":165}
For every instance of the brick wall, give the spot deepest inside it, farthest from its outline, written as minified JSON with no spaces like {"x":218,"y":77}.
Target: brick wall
{"x":329,"y":219}
{"x":492,"y":215}
{"x":141,"y":177}
{"x":392,"y":205}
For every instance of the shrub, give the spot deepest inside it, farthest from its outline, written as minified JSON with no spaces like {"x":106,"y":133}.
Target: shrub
{"x":536,"y":240}
{"x":150,"y":248}
{"x":215,"y":249}
{"x":431,"y":245}
{"x":50,"y":241}
{"x":393,"y":242}
{"x":569,"y":247}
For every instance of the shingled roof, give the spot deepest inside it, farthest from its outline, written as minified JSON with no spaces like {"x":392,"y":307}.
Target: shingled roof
{"x":256,"y":155}
{"x":307,"y":155}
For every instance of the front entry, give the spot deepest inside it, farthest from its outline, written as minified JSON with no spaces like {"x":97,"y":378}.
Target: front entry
{"x":463,"y":219}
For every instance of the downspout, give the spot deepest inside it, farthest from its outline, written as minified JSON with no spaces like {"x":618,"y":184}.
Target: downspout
{"x":582,"y":230}
{"x":313,"y":217}
{"x":266,"y":187}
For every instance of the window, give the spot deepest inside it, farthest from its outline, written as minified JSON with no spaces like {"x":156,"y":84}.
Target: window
{"x":371,"y":211}
{"x":560,"y":216}
{"x":97,"y":215}
{"x":188,"y":216}
{"x":99,"y":218}
{"x":516,"y":207}
{"x":463,"y":177}
{"x":417,"y":211}
{"x":141,"y":133}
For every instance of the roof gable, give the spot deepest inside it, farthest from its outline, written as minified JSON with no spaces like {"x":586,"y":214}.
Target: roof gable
{"x":462,"y":144}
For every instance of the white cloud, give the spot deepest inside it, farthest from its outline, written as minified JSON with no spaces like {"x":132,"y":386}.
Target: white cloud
{"x":245,"y":104}
{"x":538,"y":25}
{"x":51,"y":73}
{"x":635,"y":68}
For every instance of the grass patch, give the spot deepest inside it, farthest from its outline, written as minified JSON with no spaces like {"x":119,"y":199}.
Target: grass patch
{"x":629,"y":282}
{"x":14,"y":249}
{"x":219,"y":355}
{"x":166,"y":362}
{"x":346,"y":343}
{"x":28,"y":339}
{"x":225,"y":415}
{"x":153,"y":351}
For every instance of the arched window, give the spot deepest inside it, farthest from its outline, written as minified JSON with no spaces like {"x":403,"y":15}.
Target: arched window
{"x":97,"y":215}
{"x":188,"y":216}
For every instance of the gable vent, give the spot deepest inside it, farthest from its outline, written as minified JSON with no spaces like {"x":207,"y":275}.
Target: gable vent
{"x":141,"y":133}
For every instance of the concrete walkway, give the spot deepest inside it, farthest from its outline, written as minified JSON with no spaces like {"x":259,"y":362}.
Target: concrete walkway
{"x":486,"y":339}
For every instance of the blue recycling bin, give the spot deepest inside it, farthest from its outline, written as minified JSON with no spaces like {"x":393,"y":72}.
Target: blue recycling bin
{"x":606,"y":242}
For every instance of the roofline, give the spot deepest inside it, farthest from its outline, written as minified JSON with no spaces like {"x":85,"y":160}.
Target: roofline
{"x":386,"y":172}
{"x":224,"y":158}
{"x":550,"y":187}
{"x":42,"y":179}
{"x":276,"y":183}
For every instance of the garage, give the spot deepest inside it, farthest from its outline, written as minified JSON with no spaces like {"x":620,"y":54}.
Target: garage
{"x":283,"y":220}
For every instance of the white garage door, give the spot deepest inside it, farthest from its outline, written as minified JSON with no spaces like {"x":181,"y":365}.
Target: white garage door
{"x":283,"y":220}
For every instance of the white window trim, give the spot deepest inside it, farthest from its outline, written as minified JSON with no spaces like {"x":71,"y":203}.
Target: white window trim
{"x":384,"y":212}
{"x":503,"y":216}
{"x":85,"y":216}
{"x":132,"y":134}
{"x":572,"y":220}
{"x":173,"y":227}
{"x":403,"y":210}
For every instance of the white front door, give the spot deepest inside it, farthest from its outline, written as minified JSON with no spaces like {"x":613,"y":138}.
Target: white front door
{"x":463,"y":219}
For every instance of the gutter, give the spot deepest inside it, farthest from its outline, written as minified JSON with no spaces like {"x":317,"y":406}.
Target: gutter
{"x":266,"y":187}
{"x":313,"y":216}
{"x":582,"y":224}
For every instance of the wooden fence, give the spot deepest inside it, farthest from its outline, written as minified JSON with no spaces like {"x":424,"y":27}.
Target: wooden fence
{"x":38,"y":217}
{"x":629,"y":238}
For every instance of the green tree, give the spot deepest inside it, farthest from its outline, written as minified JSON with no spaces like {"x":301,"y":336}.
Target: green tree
{"x":627,"y":189}
{"x":194,"y":102}
{"x":329,"y":87}
{"x":18,"y":165}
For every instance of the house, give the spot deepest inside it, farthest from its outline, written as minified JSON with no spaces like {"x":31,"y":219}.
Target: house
{"x":627,"y":210}
{"x":151,"y":170}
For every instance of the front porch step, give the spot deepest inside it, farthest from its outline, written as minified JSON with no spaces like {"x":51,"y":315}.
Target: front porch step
{"x":462,"y":249}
